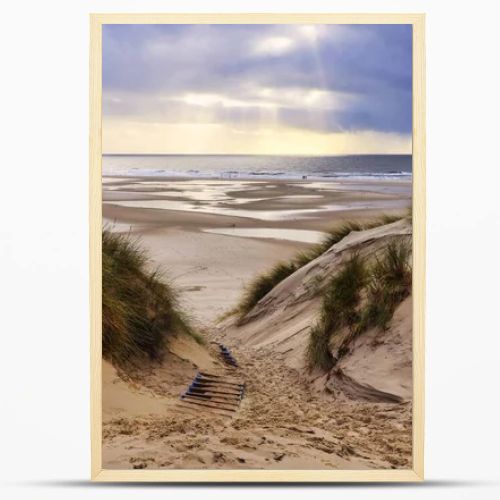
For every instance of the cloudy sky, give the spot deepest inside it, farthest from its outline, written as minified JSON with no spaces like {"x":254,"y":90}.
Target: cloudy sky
{"x":257,"y":89}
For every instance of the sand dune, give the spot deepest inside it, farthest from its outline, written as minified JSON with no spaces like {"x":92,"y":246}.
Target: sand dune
{"x":281,"y":424}
{"x":381,"y":361}
{"x":357,"y":417}
{"x":280,"y":321}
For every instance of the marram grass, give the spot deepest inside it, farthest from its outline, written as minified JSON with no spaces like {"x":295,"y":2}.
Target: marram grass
{"x":340,"y":300}
{"x":139,"y":308}
{"x":358,"y":297}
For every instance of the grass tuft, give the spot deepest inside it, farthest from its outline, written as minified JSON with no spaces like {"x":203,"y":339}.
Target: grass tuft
{"x":333,"y":236}
{"x":360,"y":297}
{"x":339,"y":309}
{"x":263,"y":284}
{"x":139,"y":309}
{"x":390,"y":285}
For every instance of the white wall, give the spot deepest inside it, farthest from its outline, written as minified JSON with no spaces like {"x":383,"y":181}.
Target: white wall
{"x":43,"y":247}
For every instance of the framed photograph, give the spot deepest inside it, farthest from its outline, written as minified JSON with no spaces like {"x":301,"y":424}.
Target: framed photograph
{"x":257,"y":247}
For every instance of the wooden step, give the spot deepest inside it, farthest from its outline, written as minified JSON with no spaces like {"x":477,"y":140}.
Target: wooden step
{"x":221,"y":377}
{"x":235,"y":397}
{"x":215,"y":388}
{"x":210,"y":403}
{"x":212,"y":396}
{"x":195,"y":409}
{"x":213,"y":406}
{"x":219,"y":394}
{"x":209,"y":380}
{"x":212,"y":399}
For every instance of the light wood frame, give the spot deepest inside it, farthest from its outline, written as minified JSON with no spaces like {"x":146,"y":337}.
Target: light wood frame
{"x":184,"y":475}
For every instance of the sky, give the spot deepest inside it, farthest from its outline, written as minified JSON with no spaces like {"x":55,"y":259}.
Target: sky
{"x":257,"y":89}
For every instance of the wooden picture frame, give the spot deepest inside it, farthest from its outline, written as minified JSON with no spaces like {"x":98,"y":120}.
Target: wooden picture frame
{"x":414,"y":474}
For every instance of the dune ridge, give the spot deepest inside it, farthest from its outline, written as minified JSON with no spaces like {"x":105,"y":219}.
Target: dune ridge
{"x":280,"y":322}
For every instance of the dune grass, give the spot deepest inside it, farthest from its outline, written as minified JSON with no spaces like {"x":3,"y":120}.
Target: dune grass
{"x":139,"y":308}
{"x":358,"y":297}
{"x":339,"y":308}
{"x":333,"y":236}
{"x":266,"y":281}
{"x":339,"y":232}
{"x":389,"y":286}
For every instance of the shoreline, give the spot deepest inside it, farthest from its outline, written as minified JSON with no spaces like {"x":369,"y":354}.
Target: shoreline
{"x":304,"y":178}
{"x":276,"y":201}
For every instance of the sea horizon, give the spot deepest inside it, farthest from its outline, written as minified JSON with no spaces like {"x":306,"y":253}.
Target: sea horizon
{"x":260,"y":166}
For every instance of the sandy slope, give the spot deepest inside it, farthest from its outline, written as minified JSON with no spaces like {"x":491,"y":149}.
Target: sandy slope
{"x":281,"y":320}
{"x":208,"y":269}
{"x":382,"y":360}
{"x":281,"y":424}
{"x":288,"y":419}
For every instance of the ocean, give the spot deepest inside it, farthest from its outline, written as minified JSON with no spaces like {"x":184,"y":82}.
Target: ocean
{"x":261,"y":167}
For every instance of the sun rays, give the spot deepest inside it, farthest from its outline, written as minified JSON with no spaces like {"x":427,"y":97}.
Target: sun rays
{"x":262,"y":89}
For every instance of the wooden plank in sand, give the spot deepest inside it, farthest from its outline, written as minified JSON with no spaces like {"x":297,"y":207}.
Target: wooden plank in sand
{"x":222,"y":387}
{"x":222,"y":377}
{"x":212,"y":406}
{"x":214,"y":390}
{"x":209,"y":380}
{"x":222,"y":404}
{"x":211,"y":403}
{"x":195,"y":410}
{"x":229,"y":399}
{"x":216,"y":387}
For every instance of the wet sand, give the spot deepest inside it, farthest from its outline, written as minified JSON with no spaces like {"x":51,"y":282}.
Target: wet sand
{"x":211,"y":269}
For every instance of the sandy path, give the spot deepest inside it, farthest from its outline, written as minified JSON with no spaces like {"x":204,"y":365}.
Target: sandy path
{"x":281,"y":424}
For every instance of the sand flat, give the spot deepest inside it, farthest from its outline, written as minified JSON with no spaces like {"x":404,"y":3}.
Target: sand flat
{"x":262,"y":200}
{"x":211,"y":269}
{"x":303,"y":235}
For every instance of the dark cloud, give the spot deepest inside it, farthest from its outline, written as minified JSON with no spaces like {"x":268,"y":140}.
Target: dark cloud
{"x":368,"y":67}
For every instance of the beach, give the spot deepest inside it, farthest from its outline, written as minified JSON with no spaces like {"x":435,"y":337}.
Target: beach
{"x":262,"y":221}
{"x":210,"y":238}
